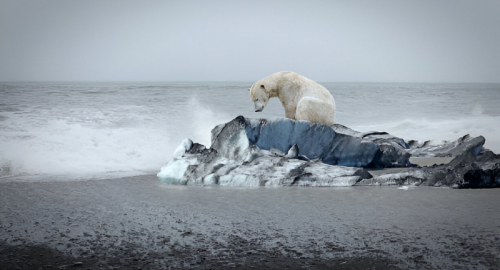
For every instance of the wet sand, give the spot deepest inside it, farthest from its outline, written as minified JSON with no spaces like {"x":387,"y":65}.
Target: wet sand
{"x":139,"y":223}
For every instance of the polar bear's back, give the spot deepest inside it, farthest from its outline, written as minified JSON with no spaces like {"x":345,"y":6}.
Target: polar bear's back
{"x":306,"y":87}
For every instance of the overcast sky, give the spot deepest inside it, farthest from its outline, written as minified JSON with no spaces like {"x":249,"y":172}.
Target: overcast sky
{"x":345,"y":41}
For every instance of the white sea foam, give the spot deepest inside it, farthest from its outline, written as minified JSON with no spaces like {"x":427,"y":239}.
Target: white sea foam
{"x":89,"y":142}
{"x":62,"y":147}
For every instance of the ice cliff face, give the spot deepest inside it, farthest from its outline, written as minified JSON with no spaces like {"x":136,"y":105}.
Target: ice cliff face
{"x":285,"y":152}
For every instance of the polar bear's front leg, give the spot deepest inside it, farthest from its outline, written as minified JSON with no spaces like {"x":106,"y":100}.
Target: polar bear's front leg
{"x":290,"y":113}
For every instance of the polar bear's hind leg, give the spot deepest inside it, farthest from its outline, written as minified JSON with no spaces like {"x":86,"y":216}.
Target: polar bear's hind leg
{"x":315,"y":110}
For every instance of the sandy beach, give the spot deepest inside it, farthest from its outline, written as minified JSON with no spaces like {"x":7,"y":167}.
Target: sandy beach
{"x":140,"y":223}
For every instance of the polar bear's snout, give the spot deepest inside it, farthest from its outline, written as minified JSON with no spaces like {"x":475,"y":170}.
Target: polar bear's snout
{"x":258,"y":106}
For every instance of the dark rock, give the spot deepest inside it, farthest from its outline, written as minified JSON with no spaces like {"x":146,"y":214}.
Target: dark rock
{"x":464,"y":171}
{"x":468,"y":170}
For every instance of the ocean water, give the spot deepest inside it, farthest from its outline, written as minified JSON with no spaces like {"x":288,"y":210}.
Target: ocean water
{"x":106,"y":130}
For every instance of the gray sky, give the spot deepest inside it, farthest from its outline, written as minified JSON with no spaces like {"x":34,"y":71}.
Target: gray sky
{"x":374,"y":41}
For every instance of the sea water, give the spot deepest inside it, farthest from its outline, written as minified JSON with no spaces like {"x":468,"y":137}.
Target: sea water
{"x":71,"y":130}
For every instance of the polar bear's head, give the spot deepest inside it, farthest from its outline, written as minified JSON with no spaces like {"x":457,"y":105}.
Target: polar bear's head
{"x":260,"y":94}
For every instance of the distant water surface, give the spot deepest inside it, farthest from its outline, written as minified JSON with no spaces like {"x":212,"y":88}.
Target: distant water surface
{"x":91,"y":130}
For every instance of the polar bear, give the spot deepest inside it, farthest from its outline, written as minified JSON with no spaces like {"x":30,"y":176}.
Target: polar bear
{"x":303,"y":99}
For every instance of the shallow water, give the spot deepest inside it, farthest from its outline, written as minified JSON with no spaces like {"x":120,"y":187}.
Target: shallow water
{"x":102,"y":130}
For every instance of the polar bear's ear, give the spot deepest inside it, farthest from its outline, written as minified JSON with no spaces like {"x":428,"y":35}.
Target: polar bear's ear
{"x":262,"y":86}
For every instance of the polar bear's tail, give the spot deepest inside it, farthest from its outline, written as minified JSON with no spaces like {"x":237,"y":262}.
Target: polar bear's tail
{"x":315,"y":110}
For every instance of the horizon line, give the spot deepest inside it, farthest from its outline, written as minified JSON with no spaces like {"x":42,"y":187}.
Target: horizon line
{"x":218,"y":81}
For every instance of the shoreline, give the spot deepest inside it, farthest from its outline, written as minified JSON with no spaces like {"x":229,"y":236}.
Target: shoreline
{"x":42,"y":257}
{"x":138,"y":222}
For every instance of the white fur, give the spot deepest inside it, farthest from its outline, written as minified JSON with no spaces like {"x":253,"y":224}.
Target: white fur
{"x":303,"y":99}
